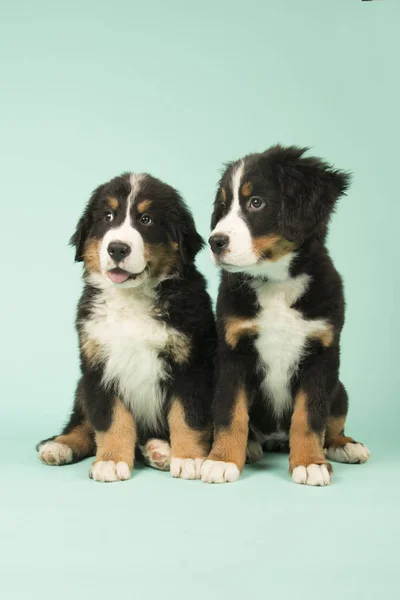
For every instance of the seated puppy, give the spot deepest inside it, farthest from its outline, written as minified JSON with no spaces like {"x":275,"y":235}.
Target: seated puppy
{"x":146,"y":336}
{"x":280,"y":313}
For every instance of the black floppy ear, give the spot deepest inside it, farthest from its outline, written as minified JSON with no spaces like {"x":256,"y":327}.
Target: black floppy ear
{"x":80,"y":236}
{"x":81,"y":233}
{"x":309,"y":189}
{"x":185,"y":234}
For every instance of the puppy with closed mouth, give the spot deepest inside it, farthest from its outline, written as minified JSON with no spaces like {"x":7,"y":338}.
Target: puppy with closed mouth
{"x":280,"y":313}
{"x":146,"y":336}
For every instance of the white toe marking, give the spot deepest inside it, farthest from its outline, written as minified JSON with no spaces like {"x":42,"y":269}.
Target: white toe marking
{"x":54,"y":453}
{"x":311,"y":475}
{"x":254,"y":451}
{"x":299,"y":475}
{"x":186,"y":468}
{"x":123,"y":470}
{"x":219,"y":472}
{"x":350,"y":453}
{"x":161,"y":447}
{"x":108,"y":471}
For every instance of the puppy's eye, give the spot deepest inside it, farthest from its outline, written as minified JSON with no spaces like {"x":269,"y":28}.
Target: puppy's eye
{"x":146,"y":220}
{"x":223,"y":206}
{"x":256,"y":203}
{"x":108,"y":216}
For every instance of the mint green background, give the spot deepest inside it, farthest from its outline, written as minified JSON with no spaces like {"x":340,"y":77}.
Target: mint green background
{"x":176,"y":88}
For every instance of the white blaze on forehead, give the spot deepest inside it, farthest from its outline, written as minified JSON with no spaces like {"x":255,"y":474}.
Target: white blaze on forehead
{"x":240,"y":249}
{"x":135,"y":262}
{"x":135,"y":180}
{"x":230,"y":222}
{"x":236,"y":181}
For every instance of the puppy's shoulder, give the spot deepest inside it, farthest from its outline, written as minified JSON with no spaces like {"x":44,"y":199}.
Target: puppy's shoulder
{"x":324,"y":297}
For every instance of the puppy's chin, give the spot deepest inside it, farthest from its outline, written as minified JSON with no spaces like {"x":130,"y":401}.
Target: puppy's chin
{"x":254,"y":269}
{"x":264,"y":268}
{"x":234,"y":265}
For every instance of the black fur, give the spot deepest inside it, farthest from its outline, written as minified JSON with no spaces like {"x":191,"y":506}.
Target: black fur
{"x":180,"y":301}
{"x":299,"y":195}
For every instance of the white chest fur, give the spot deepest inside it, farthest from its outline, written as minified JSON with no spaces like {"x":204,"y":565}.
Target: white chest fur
{"x":131,"y":341}
{"x":283,"y":336}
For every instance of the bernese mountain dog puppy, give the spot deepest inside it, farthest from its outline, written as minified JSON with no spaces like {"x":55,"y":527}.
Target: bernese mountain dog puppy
{"x":280,"y":313}
{"x":146,"y":333}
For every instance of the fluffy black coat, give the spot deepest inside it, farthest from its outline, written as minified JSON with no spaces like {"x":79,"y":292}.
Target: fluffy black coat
{"x":277,"y":377}
{"x":163,"y":306}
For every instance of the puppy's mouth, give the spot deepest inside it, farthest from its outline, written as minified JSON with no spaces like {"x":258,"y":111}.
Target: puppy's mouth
{"x":118,"y":275}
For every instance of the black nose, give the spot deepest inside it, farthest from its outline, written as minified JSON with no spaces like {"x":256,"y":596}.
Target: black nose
{"x":218,"y":242}
{"x":118,"y":251}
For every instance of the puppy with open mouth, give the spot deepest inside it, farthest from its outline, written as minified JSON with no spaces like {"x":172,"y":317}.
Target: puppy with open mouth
{"x":146,"y":336}
{"x":280,"y":313}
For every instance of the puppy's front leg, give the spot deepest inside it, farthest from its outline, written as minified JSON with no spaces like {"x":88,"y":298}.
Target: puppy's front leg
{"x":231,"y":427}
{"x":307,"y":461}
{"x":308,"y":464}
{"x":115,"y":446}
{"x":231,"y":398}
{"x":190,"y":444}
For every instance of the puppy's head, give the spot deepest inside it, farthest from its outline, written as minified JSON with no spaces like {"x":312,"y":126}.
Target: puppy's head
{"x":268,"y":204}
{"x":135,"y":228}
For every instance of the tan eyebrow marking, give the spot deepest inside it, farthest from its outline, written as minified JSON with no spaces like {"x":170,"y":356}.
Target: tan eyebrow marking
{"x":223,"y":194}
{"x":144,"y":205}
{"x":247,"y":188}
{"x":112,"y":202}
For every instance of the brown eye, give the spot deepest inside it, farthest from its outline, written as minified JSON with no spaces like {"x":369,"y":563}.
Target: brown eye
{"x":256,"y":203}
{"x":146,"y":220}
{"x":108,"y":216}
{"x":223,"y":206}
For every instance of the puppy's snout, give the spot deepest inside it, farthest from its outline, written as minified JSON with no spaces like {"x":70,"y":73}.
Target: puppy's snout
{"x":118,"y":251}
{"x":218,"y":242}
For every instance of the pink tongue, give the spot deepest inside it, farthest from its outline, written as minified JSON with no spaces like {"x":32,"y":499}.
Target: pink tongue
{"x":118,"y":277}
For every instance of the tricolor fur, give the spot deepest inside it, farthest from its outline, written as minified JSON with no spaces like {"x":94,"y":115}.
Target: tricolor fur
{"x":146,"y":335}
{"x":280,"y":313}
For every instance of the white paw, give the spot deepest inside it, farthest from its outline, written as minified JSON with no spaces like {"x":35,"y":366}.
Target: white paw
{"x":157,"y":453}
{"x":254,"y":451}
{"x":312,"y":475}
{"x":54,"y":453}
{"x":186,"y":468}
{"x":350,"y":453}
{"x":214,"y":471}
{"x":108,"y":471}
